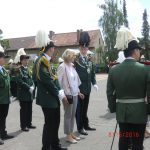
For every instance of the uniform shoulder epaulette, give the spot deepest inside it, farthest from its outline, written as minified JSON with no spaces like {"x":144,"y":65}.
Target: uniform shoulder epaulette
{"x":46,"y":63}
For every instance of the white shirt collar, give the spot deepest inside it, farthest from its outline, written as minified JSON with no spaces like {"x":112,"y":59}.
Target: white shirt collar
{"x":24,"y":67}
{"x":48,"y":57}
{"x":130,"y":58}
{"x":83,"y":55}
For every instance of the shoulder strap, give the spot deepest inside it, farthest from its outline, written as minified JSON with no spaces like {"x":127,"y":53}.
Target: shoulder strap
{"x":68,"y":80}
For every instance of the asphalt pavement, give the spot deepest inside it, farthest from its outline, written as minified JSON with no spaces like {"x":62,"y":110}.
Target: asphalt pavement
{"x":99,"y":118}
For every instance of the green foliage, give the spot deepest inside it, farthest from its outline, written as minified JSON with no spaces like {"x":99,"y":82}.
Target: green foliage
{"x":100,"y":55}
{"x":145,"y":27}
{"x":1,"y":32}
{"x":110,"y":22}
{"x":5,"y":43}
{"x":102,"y":68}
{"x":125,"y":16}
{"x":145,"y":52}
{"x":112,"y":55}
{"x":145,"y":40}
{"x":55,"y":66}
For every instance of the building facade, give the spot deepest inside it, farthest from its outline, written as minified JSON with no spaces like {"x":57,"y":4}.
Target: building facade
{"x":62,"y":42}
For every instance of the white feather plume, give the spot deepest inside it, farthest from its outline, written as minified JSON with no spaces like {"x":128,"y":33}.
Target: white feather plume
{"x":60,"y":60}
{"x":10,"y":61}
{"x":77,"y":51}
{"x":142,"y":57}
{"x":1,"y":49}
{"x":124,"y":36}
{"x":41,"y":39}
{"x":19,"y":53}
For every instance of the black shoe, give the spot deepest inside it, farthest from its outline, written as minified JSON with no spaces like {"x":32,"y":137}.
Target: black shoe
{"x":89,"y":129}
{"x":25,"y":129}
{"x":83,"y":132}
{"x":61,"y":148}
{"x":7,"y":137}
{"x":1,"y":142}
{"x":58,"y":148}
{"x":32,"y":127}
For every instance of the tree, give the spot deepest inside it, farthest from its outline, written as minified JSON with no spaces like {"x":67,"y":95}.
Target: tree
{"x":4,"y":42}
{"x":100,"y":55}
{"x":1,"y":32}
{"x":110,"y":22}
{"x":125,"y":16}
{"x":145,"y":41}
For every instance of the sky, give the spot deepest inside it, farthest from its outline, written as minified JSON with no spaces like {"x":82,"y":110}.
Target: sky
{"x":21,"y":18}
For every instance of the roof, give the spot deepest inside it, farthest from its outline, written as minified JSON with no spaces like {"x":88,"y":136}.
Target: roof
{"x":61,"y":39}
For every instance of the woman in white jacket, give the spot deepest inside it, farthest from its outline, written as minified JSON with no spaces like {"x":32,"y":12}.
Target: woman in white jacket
{"x":69,"y":82}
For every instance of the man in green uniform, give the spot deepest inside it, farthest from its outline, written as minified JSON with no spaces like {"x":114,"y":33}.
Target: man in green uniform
{"x":13,"y":68}
{"x":25,"y":94}
{"x":127,"y":86}
{"x":4,"y":99}
{"x":86,"y":71}
{"x":48,"y":93}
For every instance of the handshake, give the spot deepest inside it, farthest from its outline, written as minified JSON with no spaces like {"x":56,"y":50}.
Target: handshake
{"x":31,"y":89}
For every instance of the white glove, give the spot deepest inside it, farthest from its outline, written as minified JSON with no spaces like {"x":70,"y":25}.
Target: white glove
{"x":61,"y":95}
{"x":96,"y":87}
{"x":31,"y":89}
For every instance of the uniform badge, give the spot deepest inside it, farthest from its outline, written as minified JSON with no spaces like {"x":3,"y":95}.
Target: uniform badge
{"x":88,"y":70}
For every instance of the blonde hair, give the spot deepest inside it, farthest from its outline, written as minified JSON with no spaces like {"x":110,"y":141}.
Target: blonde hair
{"x":68,"y":54}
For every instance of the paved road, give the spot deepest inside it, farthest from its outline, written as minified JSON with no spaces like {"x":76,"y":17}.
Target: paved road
{"x":99,"y":118}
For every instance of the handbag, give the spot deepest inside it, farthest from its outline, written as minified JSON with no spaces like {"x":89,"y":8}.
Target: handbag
{"x":69,"y":97}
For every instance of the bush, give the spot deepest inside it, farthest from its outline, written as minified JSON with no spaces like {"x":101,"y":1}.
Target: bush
{"x":100,"y":68}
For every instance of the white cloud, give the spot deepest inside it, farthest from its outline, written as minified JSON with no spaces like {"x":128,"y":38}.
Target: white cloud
{"x":135,"y":11}
{"x":25,"y":17}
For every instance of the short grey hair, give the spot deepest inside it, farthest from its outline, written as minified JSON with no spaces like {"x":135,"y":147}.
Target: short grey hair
{"x":67,"y":53}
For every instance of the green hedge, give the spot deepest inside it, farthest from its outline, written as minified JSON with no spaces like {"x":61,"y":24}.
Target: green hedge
{"x":102,"y":68}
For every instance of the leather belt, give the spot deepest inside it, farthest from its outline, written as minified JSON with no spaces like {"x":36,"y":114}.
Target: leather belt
{"x":130,"y":101}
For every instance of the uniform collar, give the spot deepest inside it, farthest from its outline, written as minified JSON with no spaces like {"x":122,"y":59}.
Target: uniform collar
{"x":130,"y":58}
{"x":48,"y":57}
{"x":83,"y":56}
{"x":25,"y":67}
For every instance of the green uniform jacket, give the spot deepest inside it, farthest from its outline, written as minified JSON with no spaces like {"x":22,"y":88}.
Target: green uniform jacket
{"x":24,"y":81}
{"x":34,"y":77}
{"x":86,"y":72}
{"x":4,"y":88}
{"x":47,"y":87}
{"x":13,"y":73}
{"x":129,"y":80}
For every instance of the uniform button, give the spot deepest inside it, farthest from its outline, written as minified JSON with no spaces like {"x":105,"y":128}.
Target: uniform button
{"x":46,"y":92}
